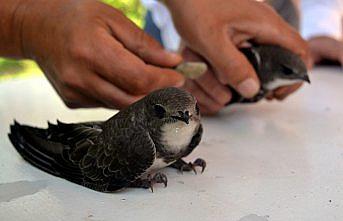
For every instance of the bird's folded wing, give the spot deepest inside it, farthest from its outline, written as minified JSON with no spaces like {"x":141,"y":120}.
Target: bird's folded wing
{"x":124,"y":155}
{"x":49,"y":149}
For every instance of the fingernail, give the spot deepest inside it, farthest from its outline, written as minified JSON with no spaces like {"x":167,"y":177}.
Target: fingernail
{"x":248,"y":88}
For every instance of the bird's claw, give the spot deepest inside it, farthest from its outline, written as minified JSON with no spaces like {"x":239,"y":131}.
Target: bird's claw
{"x":192,"y":166}
{"x":200,"y":163}
{"x":157,"y":178}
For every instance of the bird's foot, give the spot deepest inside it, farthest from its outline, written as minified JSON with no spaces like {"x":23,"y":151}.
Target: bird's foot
{"x":150,"y":181}
{"x":192,"y":166}
{"x":182,"y":166}
{"x":158,"y":178}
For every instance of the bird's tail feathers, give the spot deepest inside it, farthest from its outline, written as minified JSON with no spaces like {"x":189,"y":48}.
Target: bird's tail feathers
{"x":34,"y":146}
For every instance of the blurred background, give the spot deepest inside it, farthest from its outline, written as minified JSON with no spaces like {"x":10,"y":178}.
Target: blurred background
{"x":25,"y":68}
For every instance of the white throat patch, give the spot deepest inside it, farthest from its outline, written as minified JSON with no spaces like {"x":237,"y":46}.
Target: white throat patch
{"x":280,"y":82}
{"x":176,"y":136}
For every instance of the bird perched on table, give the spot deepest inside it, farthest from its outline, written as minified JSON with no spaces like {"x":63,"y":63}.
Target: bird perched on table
{"x":275,"y":67}
{"x":124,"y":151}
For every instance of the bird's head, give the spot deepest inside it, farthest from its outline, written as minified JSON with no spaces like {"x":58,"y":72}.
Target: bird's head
{"x":173,"y":118}
{"x":277,"y":66}
{"x":172,"y":105}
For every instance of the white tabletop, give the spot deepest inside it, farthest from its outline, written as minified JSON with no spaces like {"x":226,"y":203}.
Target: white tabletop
{"x":270,"y":161}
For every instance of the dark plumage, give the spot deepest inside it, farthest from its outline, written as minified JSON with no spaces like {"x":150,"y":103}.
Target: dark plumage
{"x":121,"y":152}
{"x":275,"y":67}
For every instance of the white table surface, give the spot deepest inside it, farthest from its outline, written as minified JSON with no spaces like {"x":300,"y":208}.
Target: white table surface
{"x":270,"y":161}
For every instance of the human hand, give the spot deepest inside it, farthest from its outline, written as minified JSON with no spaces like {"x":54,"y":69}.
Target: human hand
{"x":93,"y":55}
{"x":326,"y":48}
{"x":216,"y":29}
{"x":212,"y":96}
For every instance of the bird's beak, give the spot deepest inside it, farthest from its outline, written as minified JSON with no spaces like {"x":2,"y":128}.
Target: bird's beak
{"x":183,"y":116}
{"x":186,"y":120}
{"x":306,"y":78}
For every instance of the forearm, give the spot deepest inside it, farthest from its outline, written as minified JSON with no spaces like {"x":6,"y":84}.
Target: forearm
{"x":11,"y":18}
{"x":322,"y":18}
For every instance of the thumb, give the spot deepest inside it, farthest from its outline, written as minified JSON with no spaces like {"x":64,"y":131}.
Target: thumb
{"x":143,"y":45}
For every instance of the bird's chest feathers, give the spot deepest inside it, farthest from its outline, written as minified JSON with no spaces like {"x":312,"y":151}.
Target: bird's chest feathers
{"x":158,"y":164}
{"x":177,"y":136}
{"x":276,"y":83}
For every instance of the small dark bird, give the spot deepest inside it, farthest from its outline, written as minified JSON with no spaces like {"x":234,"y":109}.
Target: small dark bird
{"x":124,"y":151}
{"x":275,"y":67}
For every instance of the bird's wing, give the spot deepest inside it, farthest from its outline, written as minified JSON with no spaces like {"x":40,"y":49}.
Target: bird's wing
{"x":125,"y":154}
{"x":70,"y":134}
{"x":82,"y":154}
{"x":58,"y":149}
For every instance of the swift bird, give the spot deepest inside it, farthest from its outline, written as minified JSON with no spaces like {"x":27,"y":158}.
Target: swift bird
{"x":275,"y":67}
{"x":124,"y":151}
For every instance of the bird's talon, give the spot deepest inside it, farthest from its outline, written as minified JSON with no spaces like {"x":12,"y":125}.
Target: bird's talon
{"x":192,"y":166}
{"x":158,"y":178}
{"x":201,"y":163}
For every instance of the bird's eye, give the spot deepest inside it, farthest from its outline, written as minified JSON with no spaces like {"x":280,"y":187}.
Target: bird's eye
{"x":286,"y":70}
{"x":197,"y":109}
{"x":160,"y":111}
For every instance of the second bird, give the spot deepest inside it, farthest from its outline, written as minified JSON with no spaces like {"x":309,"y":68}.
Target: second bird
{"x":275,"y":67}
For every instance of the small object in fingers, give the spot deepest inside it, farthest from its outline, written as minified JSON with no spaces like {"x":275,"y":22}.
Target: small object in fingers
{"x":192,"y":70}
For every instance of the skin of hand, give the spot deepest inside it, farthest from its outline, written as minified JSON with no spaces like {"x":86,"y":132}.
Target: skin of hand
{"x":212,"y":96}
{"x":90,"y":52}
{"x":324,"y":47}
{"x":214,"y":30}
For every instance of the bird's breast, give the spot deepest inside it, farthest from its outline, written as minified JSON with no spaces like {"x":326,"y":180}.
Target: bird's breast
{"x":177,"y":136}
{"x":159,"y":163}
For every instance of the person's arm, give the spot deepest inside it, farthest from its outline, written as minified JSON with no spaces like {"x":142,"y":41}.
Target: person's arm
{"x":322,"y":27}
{"x":321,"y":18}
{"x":91,"y":53}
